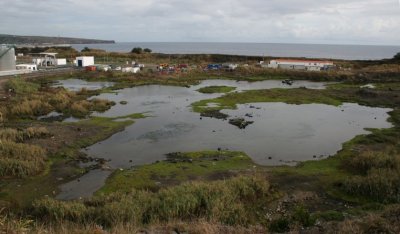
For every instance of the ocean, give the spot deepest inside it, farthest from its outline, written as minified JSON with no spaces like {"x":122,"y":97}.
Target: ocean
{"x":348,"y":52}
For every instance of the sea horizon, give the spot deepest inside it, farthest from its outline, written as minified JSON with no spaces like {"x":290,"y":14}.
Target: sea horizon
{"x":321,"y":51}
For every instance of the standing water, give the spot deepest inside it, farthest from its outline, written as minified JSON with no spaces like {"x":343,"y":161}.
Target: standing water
{"x":281,"y":133}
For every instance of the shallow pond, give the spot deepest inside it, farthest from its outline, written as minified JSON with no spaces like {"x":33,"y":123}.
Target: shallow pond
{"x":281,"y":133}
{"x":78,"y":84}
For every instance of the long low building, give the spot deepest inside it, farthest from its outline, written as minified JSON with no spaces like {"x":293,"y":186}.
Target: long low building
{"x":297,"y":64}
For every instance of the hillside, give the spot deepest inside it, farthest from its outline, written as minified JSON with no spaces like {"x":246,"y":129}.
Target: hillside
{"x":14,"y":39}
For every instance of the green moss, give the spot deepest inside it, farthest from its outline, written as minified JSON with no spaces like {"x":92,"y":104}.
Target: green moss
{"x":216,"y":89}
{"x":178,"y":168}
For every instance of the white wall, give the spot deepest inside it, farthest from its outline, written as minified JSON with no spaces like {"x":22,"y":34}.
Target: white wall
{"x":86,"y":61}
{"x":61,"y":62}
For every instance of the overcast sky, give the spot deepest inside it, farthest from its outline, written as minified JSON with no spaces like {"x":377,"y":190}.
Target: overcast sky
{"x":292,"y":21}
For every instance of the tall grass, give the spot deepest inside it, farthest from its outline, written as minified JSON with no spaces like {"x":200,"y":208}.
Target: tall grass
{"x":230,"y":202}
{"x":84,"y":107}
{"x":21,"y":160}
{"x":378,"y":175}
{"x":15,"y":135}
{"x":30,"y":107}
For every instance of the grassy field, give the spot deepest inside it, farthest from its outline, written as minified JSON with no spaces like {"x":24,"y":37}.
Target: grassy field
{"x":179,"y":168}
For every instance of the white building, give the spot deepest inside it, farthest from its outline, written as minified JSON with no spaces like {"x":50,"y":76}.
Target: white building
{"x":30,"y":67}
{"x":61,"y":62}
{"x":48,"y":59}
{"x":84,"y":61}
{"x":294,"y":64}
{"x":131,"y":69}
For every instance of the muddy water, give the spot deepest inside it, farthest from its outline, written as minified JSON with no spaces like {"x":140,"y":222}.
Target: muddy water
{"x":281,"y":133}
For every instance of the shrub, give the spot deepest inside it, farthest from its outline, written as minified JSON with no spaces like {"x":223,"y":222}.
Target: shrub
{"x":147,"y":50}
{"x":302,"y":216}
{"x":397,"y":56}
{"x":137,"y":50}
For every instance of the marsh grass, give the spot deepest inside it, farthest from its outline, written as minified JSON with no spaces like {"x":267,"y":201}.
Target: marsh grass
{"x":15,"y":135}
{"x":21,"y":160}
{"x":377,"y":175}
{"x":216,"y":89}
{"x":231,"y":202}
{"x":85,"y":107}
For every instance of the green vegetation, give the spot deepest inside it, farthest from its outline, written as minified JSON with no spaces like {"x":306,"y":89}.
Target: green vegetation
{"x":397,"y":56}
{"x":379,"y":175}
{"x":291,"y":96}
{"x":139,"y":50}
{"x":216,"y":89}
{"x":31,"y":101}
{"x":20,"y":160}
{"x":231,"y":202}
{"x":355,"y":191}
{"x":178,"y":168}
{"x":21,"y":87}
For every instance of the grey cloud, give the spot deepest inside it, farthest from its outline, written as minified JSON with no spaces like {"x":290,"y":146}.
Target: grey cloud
{"x":329,"y":21}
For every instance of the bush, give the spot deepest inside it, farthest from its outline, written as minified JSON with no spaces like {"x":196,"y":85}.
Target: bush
{"x":137,"y":50}
{"x":86,"y":49}
{"x":397,"y":56}
{"x":147,"y":50}
{"x":302,"y":216}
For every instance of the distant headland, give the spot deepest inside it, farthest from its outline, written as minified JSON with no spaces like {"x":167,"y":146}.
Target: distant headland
{"x":41,"y":40}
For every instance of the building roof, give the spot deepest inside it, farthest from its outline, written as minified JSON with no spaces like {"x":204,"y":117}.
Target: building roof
{"x":302,"y":61}
{"x":44,"y":54}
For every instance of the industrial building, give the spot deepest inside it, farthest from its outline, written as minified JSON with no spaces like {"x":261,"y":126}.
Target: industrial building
{"x":84,"y":61}
{"x":48,"y":59}
{"x":7,"y":58}
{"x":307,"y":65}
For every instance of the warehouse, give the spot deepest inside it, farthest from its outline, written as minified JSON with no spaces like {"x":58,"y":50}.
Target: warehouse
{"x":294,"y":64}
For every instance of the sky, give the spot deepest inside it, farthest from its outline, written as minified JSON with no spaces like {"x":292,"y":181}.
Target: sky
{"x":369,"y":22}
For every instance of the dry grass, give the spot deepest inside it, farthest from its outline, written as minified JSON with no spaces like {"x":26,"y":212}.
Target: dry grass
{"x":15,"y":135}
{"x":21,"y":160}
{"x":30,"y":107}
{"x":231,"y":202}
